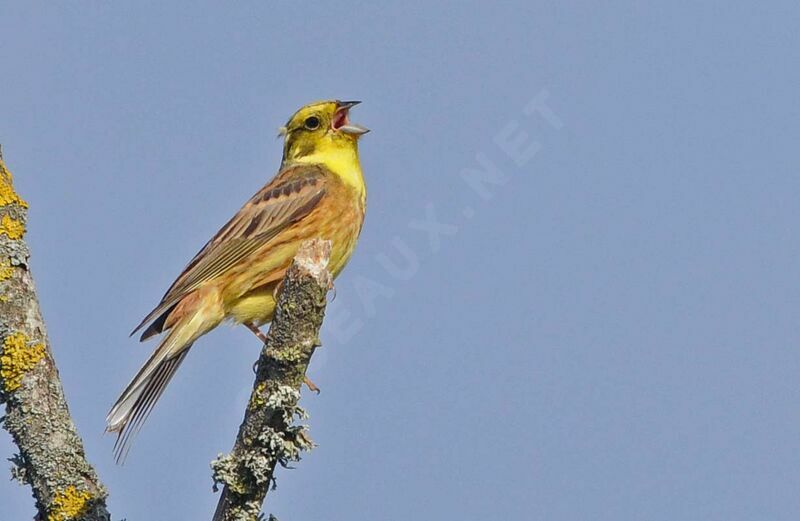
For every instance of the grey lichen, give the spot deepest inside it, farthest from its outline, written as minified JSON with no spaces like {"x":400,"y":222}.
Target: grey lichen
{"x":18,"y":470}
{"x":224,"y":472}
{"x":251,"y":469}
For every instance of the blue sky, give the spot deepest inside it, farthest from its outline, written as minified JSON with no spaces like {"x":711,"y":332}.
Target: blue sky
{"x":603,"y":326}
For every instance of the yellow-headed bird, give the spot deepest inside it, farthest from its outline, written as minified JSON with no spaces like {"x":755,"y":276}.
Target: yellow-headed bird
{"x":319,"y":192}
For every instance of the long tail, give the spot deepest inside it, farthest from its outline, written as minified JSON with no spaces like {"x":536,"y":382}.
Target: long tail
{"x":134,"y":406}
{"x":137,"y":400}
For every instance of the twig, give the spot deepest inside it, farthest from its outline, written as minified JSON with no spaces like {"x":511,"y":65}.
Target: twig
{"x":51,"y":457}
{"x":267,"y":436}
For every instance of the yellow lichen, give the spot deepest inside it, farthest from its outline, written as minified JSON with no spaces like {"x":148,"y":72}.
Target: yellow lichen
{"x":68,"y":504}
{"x":17,"y":358}
{"x":6,"y":271}
{"x":257,"y":400}
{"x":12,"y":227}
{"x":7,"y":193}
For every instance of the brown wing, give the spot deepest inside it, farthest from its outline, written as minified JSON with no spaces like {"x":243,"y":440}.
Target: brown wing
{"x":293,"y":193}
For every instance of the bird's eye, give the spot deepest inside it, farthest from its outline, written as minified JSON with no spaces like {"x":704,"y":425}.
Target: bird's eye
{"x":311,"y":123}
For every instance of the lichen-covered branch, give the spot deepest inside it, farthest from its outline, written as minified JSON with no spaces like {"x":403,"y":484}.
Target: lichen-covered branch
{"x":51,"y":458}
{"x":268,"y":436}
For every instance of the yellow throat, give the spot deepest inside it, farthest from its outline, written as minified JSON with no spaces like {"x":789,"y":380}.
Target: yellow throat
{"x":321,"y":133}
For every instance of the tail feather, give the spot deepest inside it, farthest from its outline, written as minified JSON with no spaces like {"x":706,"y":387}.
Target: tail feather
{"x":194,"y":316}
{"x":134,"y":409}
{"x":137,"y":400}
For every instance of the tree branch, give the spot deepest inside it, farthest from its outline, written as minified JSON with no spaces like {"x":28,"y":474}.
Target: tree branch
{"x":51,"y":458}
{"x":267,"y":435}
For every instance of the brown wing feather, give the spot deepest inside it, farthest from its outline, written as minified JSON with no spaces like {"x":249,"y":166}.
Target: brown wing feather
{"x":293,"y":193}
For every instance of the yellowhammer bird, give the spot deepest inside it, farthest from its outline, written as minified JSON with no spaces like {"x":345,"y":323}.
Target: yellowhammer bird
{"x":319,"y":192}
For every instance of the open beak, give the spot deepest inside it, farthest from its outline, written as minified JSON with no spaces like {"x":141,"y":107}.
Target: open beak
{"x":341,"y":122}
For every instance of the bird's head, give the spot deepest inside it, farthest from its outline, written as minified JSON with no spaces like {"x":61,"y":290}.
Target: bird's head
{"x":319,"y":128}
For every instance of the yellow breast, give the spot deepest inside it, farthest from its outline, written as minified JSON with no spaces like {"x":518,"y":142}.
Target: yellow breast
{"x":338,"y":218}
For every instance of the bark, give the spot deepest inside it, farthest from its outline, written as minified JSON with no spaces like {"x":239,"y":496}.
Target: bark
{"x":51,"y":457}
{"x":268,"y":435}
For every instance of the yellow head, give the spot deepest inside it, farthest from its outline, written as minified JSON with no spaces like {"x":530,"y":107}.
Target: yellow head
{"x":321,"y":129}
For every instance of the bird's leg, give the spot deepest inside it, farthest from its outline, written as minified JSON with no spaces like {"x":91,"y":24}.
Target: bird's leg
{"x":261,"y":336}
{"x":257,"y":332}
{"x":310,"y":385}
